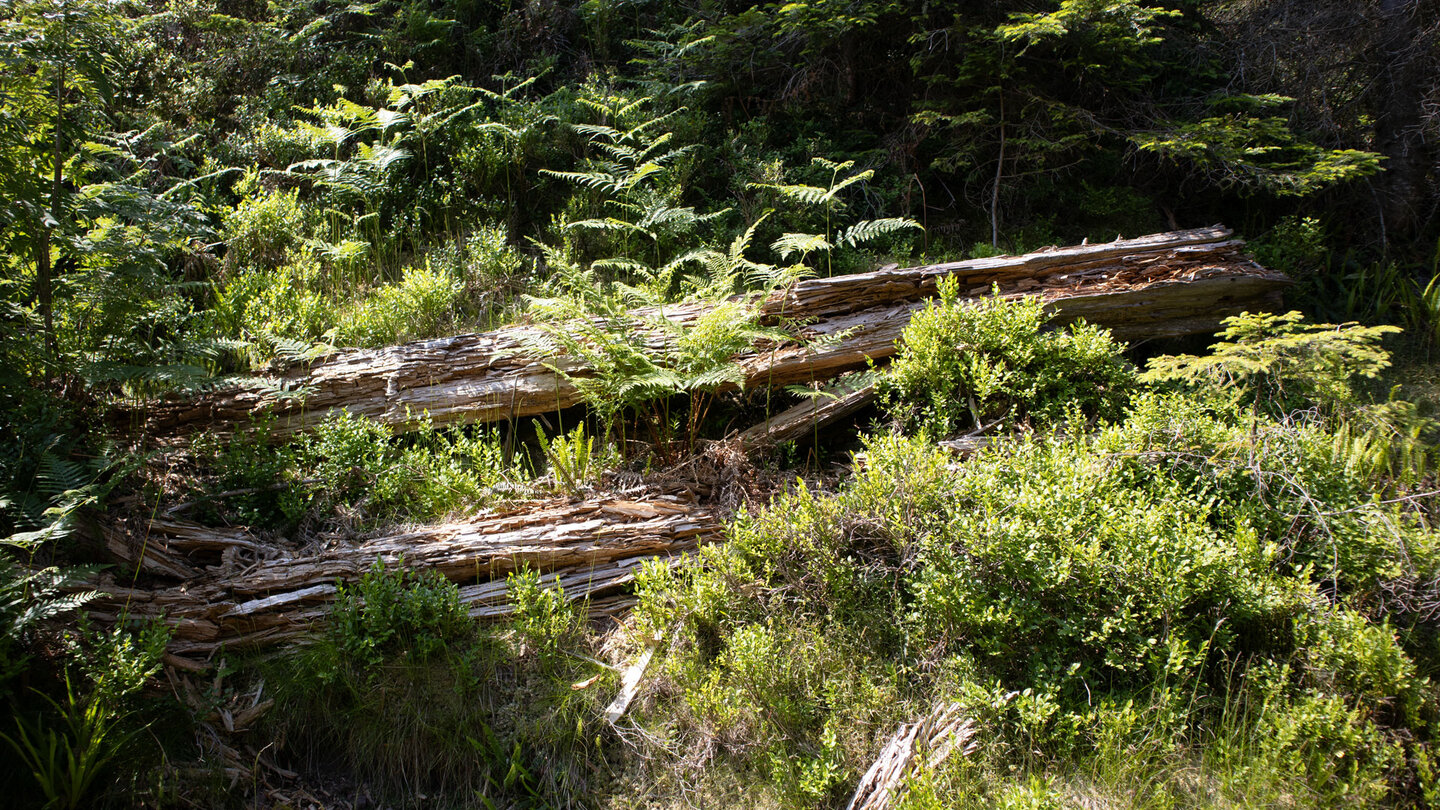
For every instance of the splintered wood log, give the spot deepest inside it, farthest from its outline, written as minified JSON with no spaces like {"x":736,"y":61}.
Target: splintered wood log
{"x":814,"y":413}
{"x":1162,"y":285}
{"x":914,"y":747}
{"x":243,"y":591}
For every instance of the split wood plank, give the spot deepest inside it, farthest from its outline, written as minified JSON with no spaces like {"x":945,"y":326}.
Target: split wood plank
{"x":630,"y":682}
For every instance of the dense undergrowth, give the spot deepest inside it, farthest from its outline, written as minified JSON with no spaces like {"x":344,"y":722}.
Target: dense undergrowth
{"x":1221,"y":593}
{"x":1198,"y":604}
{"x":1210,"y":583}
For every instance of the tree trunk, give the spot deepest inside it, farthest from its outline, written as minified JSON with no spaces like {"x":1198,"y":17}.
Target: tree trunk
{"x":235,"y":588}
{"x":1156,"y":286}
{"x":1403,"y":75}
{"x":44,"y":276}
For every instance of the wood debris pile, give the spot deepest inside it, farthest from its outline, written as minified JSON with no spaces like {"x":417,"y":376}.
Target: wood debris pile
{"x":226,"y":587}
{"x":220,"y":587}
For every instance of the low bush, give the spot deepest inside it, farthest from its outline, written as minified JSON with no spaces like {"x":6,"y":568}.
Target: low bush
{"x":406,"y":692}
{"x":424,"y":303}
{"x":273,"y":308}
{"x":354,"y":468}
{"x":265,"y":229}
{"x":1190,"y":589}
{"x":973,"y":363}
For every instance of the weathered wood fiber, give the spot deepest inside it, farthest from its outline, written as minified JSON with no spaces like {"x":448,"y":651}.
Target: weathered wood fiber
{"x":916,"y":747}
{"x":1155,"y":286}
{"x":238,"y":590}
{"x":812,"y":414}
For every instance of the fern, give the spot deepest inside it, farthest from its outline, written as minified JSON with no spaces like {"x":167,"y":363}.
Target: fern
{"x":28,"y":596}
{"x":828,"y":198}
{"x":869,"y":229}
{"x":803,"y":244}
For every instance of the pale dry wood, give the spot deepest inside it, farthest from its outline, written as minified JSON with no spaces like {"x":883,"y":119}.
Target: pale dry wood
{"x":1155,"y":286}
{"x":914,"y":747}
{"x":841,"y":294}
{"x":630,"y":682}
{"x":814,"y":413}
{"x":259,"y":594}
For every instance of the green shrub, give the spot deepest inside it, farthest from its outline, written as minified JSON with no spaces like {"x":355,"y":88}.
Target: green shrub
{"x":436,"y":473}
{"x":263,"y":471}
{"x":389,"y":690}
{"x":1140,"y":602}
{"x":420,"y":476}
{"x":405,"y":692}
{"x":1295,"y":246}
{"x":265,"y":229}
{"x":972,"y":363}
{"x":422,"y":304}
{"x":355,"y":465}
{"x":544,"y":618}
{"x":393,"y":610}
{"x":488,"y":261}
{"x":273,"y":307}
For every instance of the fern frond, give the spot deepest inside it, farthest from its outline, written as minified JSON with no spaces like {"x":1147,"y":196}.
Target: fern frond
{"x":619,"y":152}
{"x":741,"y":243}
{"x":802,"y":243}
{"x":873,"y":228}
{"x":608,"y":224}
{"x":389,"y":119}
{"x":725,"y":374}
{"x":623,"y":265}
{"x":836,"y":188}
{"x":633,"y":106}
{"x":641,"y":173}
{"x":774,"y":277}
{"x":810,"y":195}
{"x":667,"y":215}
{"x":57,"y":475}
{"x":595,"y":131}
{"x":836,"y":168}
{"x":41,"y":608}
{"x":660,"y":141}
{"x":596,"y":180}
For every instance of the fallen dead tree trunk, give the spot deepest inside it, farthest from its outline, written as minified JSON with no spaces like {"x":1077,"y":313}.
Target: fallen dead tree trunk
{"x":812,"y":414}
{"x":1156,"y":286}
{"x":238,"y":590}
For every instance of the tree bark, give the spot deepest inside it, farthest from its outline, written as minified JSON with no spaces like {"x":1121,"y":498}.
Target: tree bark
{"x":1404,"y":72}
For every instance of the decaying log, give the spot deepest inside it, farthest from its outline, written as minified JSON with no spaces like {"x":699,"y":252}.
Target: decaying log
{"x":1155,"y":286}
{"x":914,"y":747}
{"x":242,"y":591}
{"x":812,"y":414}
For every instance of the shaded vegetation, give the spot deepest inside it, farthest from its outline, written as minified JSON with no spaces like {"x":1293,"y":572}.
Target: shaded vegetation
{"x":1211,"y":583}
